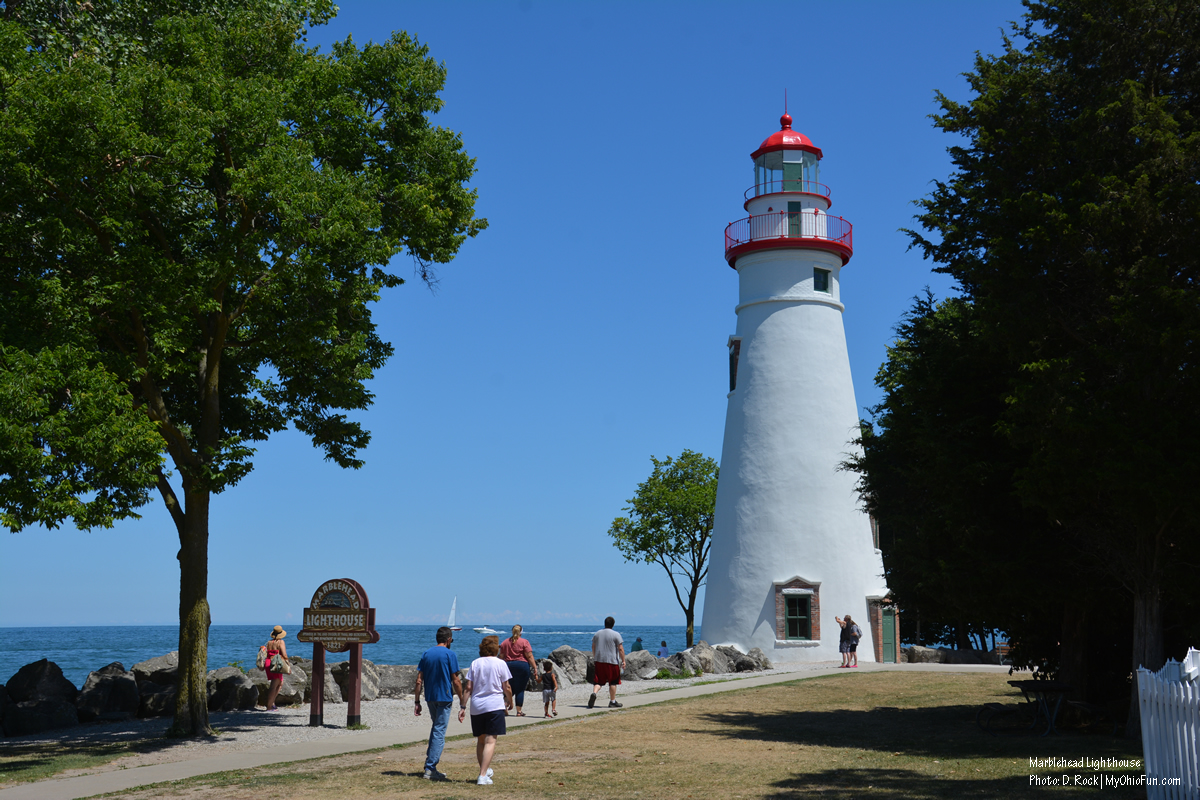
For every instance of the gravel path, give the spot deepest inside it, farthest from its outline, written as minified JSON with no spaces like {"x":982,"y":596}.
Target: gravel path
{"x":260,"y":730}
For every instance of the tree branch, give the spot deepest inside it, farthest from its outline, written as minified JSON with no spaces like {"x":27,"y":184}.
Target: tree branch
{"x":168,"y":495}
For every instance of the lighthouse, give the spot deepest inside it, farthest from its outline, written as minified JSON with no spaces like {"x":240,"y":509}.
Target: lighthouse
{"x":792,"y":549}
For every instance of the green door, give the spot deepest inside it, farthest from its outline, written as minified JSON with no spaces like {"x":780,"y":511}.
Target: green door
{"x":889,"y":636}
{"x":793,"y":177}
{"x":794,"y":210}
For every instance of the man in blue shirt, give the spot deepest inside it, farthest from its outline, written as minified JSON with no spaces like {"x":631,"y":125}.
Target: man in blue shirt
{"x":438,"y":671}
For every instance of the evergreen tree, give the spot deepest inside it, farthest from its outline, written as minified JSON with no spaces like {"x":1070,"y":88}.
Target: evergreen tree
{"x":1070,"y":225}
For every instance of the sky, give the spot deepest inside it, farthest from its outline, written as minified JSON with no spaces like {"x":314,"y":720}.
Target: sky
{"x":583,"y":332}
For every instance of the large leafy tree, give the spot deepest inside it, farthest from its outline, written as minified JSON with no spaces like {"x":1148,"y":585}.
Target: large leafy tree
{"x":669,"y":523}
{"x":961,"y":550}
{"x":197,"y":213}
{"x":1071,"y":223}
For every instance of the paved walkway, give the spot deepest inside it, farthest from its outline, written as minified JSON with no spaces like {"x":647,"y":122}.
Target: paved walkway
{"x":121,"y":780}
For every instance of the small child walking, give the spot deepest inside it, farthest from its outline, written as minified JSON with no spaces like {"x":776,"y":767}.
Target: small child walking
{"x":549,"y":688}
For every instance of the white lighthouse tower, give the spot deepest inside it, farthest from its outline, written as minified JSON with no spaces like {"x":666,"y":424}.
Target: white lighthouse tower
{"x":791,"y":547}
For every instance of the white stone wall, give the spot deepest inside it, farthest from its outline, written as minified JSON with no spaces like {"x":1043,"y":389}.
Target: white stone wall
{"x":767,"y":203}
{"x":784,"y":509}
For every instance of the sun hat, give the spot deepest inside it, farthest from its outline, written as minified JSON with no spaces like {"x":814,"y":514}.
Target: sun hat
{"x":278,"y":632}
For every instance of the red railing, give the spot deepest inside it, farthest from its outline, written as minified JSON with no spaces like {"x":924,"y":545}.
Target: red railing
{"x":774,"y":187}
{"x":808,"y":224}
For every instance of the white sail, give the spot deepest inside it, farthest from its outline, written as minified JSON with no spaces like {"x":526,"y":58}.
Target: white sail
{"x":453,"y":609}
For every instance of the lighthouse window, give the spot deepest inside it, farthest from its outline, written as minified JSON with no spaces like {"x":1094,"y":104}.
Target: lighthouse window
{"x":768,"y":173}
{"x":735,"y":350}
{"x":821,"y":280}
{"x":799,"y":621}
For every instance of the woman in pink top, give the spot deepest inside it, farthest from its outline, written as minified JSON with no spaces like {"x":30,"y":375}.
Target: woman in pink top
{"x":518,"y":653}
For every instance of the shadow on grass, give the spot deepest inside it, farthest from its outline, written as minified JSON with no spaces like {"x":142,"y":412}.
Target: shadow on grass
{"x":35,"y":760}
{"x":39,"y":756}
{"x":940,"y":732}
{"x":844,"y":784}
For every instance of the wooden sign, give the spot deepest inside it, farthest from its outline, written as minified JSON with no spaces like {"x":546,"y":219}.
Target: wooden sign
{"x":338,"y":618}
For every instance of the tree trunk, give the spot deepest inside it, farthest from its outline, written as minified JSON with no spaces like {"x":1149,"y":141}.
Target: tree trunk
{"x":961,"y":642}
{"x":690,"y":613}
{"x":1147,"y":645}
{"x":191,"y":704}
{"x":1072,"y":665}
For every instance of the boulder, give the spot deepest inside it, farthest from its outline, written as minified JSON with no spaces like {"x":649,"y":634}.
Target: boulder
{"x":574,"y":663}
{"x":37,"y":716}
{"x":230,"y":689}
{"x":306,"y":665}
{"x":41,"y":680}
{"x":738,"y":661}
{"x":333,"y":692}
{"x":5,"y":704}
{"x":163,"y":670}
{"x":682,"y":660}
{"x":640,"y":665}
{"x":968,"y":657}
{"x":711,"y":660}
{"x":370,"y":679}
{"x":110,"y":693}
{"x":396,"y":681}
{"x":922,"y":655}
{"x":759,"y":656}
{"x":291,"y":690}
{"x":156,"y":699}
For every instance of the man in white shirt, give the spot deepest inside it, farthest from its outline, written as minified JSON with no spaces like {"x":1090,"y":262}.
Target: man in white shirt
{"x":608,"y":653}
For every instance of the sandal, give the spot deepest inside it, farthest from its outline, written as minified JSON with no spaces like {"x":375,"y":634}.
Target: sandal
{"x":556,"y":713}
{"x":520,"y":713}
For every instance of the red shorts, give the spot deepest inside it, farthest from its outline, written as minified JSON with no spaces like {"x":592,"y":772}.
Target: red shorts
{"x":608,"y":673}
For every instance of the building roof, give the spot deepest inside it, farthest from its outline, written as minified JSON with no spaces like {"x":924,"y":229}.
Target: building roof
{"x":786,"y":139}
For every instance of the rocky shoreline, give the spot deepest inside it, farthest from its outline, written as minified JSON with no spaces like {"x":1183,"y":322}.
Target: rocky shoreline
{"x":38,"y":698}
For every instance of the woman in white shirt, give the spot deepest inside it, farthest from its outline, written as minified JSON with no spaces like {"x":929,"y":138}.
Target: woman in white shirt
{"x":491,"y":695}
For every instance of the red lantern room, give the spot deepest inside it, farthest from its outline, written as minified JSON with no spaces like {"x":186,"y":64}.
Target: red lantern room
{"x":788,"y":205}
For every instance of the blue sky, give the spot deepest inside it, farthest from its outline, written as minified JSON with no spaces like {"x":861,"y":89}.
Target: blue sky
{"x":583,"y":332}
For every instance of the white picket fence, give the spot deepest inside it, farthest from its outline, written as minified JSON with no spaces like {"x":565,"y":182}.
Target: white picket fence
{"x":1170,"y":706}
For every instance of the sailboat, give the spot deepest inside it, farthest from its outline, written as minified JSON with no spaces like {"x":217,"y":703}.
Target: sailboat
{"x":453,"y":609}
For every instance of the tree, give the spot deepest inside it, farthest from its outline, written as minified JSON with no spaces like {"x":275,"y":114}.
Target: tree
{"x":939,"y":476}
{"x":670,"y":523}
{"x":196,"y":215}
{"x":1070,"y":224}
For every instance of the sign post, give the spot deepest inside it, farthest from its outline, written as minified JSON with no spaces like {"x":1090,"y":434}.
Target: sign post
{"x":338,"y":619}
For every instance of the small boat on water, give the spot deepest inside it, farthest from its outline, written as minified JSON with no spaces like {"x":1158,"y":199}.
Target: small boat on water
{"x":486,"y":631}
{"x":453,"y":609}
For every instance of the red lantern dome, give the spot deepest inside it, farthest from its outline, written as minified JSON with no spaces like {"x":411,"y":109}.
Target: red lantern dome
{"x":786,"y":139}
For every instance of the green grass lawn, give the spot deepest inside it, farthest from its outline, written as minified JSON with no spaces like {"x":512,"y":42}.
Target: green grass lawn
{"x":905,"y":735}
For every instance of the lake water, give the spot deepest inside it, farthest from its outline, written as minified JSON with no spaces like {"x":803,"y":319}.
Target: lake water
{"x":78,"y":651}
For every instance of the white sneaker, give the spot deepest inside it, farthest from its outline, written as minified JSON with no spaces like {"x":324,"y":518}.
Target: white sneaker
{"x":489,"y":773}
{"x":484,"y":780}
